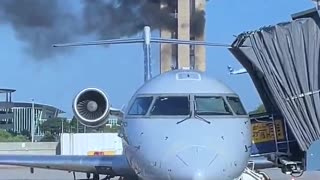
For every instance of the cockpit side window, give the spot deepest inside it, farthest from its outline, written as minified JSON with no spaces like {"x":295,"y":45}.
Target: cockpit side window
{"x":211,"y":105}
{"x":236,"y":105}
{"x":140,"y":106}
{"x":171,"y":106}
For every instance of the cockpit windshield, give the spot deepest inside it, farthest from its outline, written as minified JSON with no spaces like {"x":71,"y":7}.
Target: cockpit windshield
{"x":211,"y":105}
{"x":140,"y":106}
{"x":171,"y":106}
{"x":236,"y":105}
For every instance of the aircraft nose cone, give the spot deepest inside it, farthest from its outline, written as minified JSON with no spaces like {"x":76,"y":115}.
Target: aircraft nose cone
{"x":196,"y":163}
{"x":199,"y":175}
{"x":197,"y":157}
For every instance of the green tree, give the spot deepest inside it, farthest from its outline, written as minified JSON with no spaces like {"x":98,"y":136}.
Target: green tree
{"x":54,"y":126}
{"x":13,"y":133}
{"x":259,"y":109}
{"x":112,"y":129}
{"x":4,"y":136}
{"x":76,"y":126}
{"x":19,"y":138}
{"x":48,"y":137}
{"x":8,"y":137}
{"x":26,"y":133}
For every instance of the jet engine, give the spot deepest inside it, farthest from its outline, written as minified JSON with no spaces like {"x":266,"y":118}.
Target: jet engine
{"x":91,"y":107}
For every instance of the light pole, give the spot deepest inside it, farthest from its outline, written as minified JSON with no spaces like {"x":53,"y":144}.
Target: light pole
{"x":61,"y":126}
{"x":77,"y":127}
{"x":32,"y":121}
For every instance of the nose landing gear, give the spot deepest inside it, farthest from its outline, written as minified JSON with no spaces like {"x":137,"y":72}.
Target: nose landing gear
{"x":108,"y":177}
{"x":95,"y":176}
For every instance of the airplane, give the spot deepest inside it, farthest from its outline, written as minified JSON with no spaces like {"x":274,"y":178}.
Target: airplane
{"x":235,"y":72}
{"x":181,"y":124}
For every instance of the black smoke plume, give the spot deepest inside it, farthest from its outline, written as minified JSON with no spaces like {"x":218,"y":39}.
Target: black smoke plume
{"x":38,"y":23}
{"x":41,"y":23}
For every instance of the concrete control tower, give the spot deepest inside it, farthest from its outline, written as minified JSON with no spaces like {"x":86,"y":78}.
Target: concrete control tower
{"x":180,"y":56}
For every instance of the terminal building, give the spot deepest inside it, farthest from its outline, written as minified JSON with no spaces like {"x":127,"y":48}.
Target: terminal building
{"x":17,"y":116}
{"x":112,"y":121}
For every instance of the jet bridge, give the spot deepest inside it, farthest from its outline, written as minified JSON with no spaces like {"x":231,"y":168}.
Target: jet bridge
{"x":283,"y":61}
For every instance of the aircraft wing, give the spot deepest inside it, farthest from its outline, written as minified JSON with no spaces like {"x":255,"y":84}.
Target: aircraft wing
{"x":108,"y":165}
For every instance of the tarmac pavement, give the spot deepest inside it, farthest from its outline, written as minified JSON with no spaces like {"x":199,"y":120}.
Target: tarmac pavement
{"x":22,"y":173}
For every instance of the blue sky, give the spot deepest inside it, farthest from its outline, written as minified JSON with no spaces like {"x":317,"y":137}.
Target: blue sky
{"x":118,"y":70}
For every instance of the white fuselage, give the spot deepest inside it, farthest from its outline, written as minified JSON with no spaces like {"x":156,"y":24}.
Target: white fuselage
{"x":185,"y":125}
{"x":159,"y":148}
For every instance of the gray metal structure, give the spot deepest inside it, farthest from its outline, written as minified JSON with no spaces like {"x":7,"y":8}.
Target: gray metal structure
{"x":283,"y":62}
{"x":178,"y":125}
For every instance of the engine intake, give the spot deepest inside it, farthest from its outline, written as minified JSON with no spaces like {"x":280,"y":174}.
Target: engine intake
{"x":91,"y":107}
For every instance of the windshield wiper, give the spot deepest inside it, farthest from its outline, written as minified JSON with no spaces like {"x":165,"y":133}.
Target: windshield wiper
{"x":196,"y":114}
{"x":190,"y":114}
{"x":201,"y":118}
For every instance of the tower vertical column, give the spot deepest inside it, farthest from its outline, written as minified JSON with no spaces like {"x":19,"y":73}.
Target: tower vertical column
{"x":165,"y":49}
{"x":200,"y":51}
{"x":183,"y":33}
{"x":180,"y":55}
{"x":165,"y":52}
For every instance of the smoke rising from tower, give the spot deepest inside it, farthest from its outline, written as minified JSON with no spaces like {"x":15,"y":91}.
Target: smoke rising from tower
{"x":41,"y":23}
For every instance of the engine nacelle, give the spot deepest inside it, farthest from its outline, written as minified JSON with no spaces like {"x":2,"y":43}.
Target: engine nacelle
{"x":91,"y":107}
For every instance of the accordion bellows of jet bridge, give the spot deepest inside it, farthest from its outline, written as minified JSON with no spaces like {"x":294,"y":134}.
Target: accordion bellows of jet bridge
{"x":283,"y":62}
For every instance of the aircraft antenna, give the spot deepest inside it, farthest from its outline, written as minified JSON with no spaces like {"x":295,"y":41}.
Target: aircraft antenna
{"x":147,"y":53}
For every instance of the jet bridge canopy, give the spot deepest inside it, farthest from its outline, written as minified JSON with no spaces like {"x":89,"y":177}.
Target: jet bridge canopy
{"x":283,"y":62}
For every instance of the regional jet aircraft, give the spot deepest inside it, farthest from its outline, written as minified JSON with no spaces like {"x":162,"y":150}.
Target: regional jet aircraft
{"x":239,"y":71}
{"x":181,"y":124}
